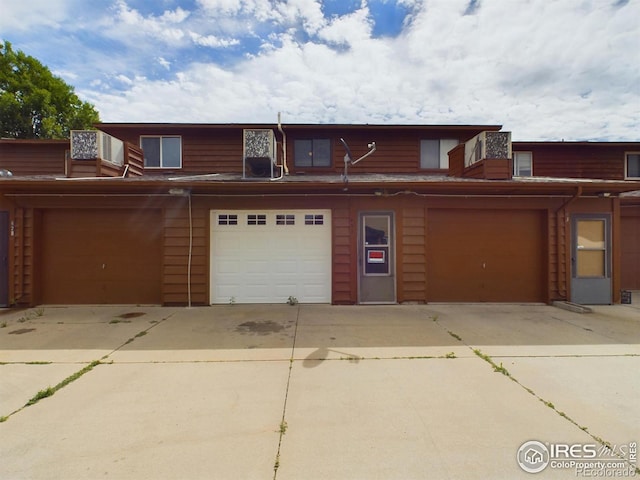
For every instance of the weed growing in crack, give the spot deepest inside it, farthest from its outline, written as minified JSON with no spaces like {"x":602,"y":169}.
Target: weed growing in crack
{"x":450,"y":355}
{"x":47,"y":392}
{"x":457,"y":337}
{"x":283,"y":427}
{"x":496,"y":368}
{"x":276,"y":465}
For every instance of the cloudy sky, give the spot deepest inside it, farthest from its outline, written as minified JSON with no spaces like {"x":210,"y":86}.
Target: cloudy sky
{"x":545,"y":69}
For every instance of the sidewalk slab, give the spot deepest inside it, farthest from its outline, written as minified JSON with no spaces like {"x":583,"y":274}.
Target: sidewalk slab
{"x":217,"y":333}
{"x":168,"y":421}
{"x":412,"y":419}
{"x":600,"y":393}
{"x":21,"y":382}
{"x":73,"y":334}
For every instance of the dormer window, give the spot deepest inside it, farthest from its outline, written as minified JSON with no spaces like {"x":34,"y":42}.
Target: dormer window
{"x":162,"y":151}
{"x":314,"y":152}
{"x":632,"y":165}
{"x":522,"y":164}
{"x":434,"y":153}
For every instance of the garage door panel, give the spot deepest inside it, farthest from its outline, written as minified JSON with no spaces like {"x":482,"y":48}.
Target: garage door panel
{"x":94,"y":256}
{"x":490,"y":256}
{"x":269,"y":262}
{"x":630,"y":248}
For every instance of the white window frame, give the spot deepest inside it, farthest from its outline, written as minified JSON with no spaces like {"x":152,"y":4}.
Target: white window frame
{"x":160,"y":137}
{"x":445,"y":145}
{"x":626,"y":165}
{"x":516,"y":163}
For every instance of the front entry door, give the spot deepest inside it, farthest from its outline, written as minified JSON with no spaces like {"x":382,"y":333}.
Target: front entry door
{"x":376,"y":258}
{"x":591,"y":260}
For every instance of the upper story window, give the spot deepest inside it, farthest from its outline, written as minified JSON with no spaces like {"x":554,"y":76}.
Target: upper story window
{"x":522,"y":164}
{"x":434,"y":154}
{"x":315,"y":152}
{"x":632,"y":165}
{"x":162,"y":151}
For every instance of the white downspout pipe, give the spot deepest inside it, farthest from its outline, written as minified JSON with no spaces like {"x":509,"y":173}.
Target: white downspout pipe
{"x":284,"y":147}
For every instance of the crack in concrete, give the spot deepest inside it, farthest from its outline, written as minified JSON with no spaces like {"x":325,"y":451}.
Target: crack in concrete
{"x":500,"y":369}
{"x":283,"y":423}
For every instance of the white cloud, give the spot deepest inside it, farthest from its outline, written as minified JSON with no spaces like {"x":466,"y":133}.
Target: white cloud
{"x":165,"y":27}
{"x":212,"y":41}
{"x":349,"y":29}
{"x":21,"y":15}
{"x":546,"y":70}
{"x":164,"y":62}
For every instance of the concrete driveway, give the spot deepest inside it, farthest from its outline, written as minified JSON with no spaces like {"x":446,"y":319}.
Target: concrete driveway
{"x":318,"y":392}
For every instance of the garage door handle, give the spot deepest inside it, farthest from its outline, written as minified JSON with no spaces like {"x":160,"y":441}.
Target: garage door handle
{"x":484,"y":265}
{"x":104,"y":265}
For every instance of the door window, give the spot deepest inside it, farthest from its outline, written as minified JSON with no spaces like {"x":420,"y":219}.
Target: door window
{"x":591,"y":248}
{"x":376,"y":230}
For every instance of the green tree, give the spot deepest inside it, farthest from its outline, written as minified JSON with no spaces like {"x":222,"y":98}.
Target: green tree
{"x":34,"y":103}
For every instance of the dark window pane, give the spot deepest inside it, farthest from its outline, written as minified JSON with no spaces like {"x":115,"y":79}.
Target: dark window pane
{"x":322,"y":153}
{"x":303,"y":153}
{"x":151,"y":148}
{"x":430,"y":154}
{"x":633,"y":165}
{"x":171,"y":152}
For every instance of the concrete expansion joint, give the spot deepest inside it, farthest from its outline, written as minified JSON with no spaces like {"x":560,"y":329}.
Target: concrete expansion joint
{"x":501,"y":369}
{"x":283,"y":422}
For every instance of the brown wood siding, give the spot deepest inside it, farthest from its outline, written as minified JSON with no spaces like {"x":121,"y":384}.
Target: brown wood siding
{"x":343,"y":257}
{"x":396,"y":152}
{"x":554,"y":275}
{"x":91,"y":256}
{"x":175,"y":289}
{"x":82,"y":168}
{"x":412,"y":273}
{"x":456,"y":161}
{"x":23,"y":257}
{"x":221,"y":153}
{"x":576,"y":161}
{"x":486,"y":255}
{"x":490,"y":169}
{"x":630,"y":247}
{"x":207,"y":150}
{"x":134,"y":157}
{"x":46,"y":158}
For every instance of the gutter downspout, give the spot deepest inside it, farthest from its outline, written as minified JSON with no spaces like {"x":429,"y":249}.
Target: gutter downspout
{"x":284,"y":147}
{"x":562,"y":219}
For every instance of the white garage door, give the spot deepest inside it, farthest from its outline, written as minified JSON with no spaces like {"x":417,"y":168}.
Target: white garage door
{"x":270,"y":255}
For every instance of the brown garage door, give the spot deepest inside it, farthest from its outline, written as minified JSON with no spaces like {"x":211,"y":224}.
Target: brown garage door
{"x":630,"y":246}
{"x":101,"y":256}
{"x":486,"y":256}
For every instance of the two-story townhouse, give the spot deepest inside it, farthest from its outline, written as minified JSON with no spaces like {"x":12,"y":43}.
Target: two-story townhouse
{"x":595,"y":160}
{"x":229,"y":213}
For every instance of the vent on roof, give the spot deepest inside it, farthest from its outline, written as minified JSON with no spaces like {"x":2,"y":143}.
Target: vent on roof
{"x":94,"y":144}
{"x":259,"y":153}
{"x":487,"y":145}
